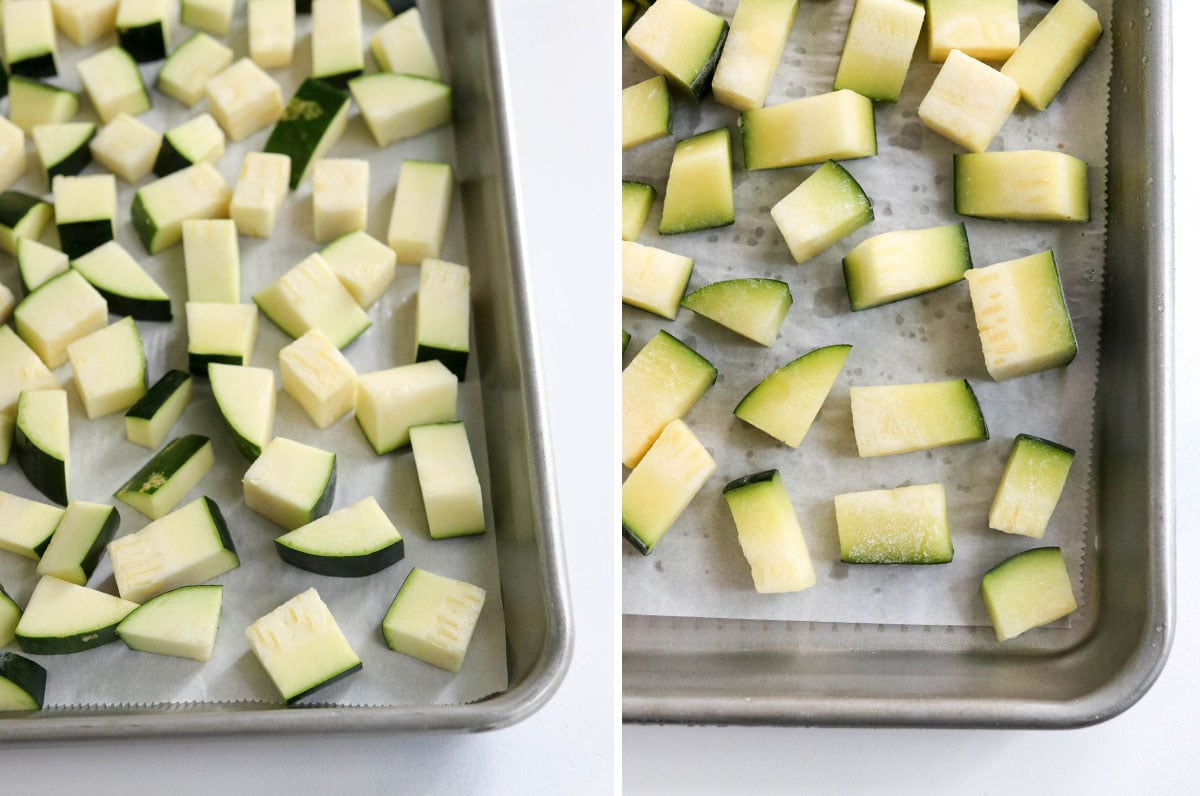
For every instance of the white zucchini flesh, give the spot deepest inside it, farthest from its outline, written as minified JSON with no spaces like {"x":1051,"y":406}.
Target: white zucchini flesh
{"x":769,"y":534}
{"x":449,"y":483}
{"x":187,"y":71}
{"x":752,"y":52}
{"x":1029,"y":590}
{"x":396,"y":107}
{"x":337,"y":50}
{"x":271,"y":26}
{"x":663,"y":485}
{"x":291,"y":484}
{"x":261,"y":187}
{"x":969,"y":102}
{"x":244,"y":99}
{"x":365,"y":266}
{"x":220,"y":332}
{"x":421,"y":210}
{"x":245,"y":397}
{"x":113,"y":84}
{"x":310,"y":296}
{"x":401,"y":46}
{"x":127,"y":147}
{"x":160,"y":208}
{"x":39,"y":263}
{"x":318,"y":377}
{"x":110,"y":368}
{"x":390,"y":402}
{"x":211,"y":261}
{"x":444,"y":314}
{"x":12,"y":153}
{"x":85,"y":21}
{"x":10,"y":615}
{"x":341,"y":192}
{"x":433,"y":618}
{"x":57,"y":314}
{"x":20,"y":370}
{"x":64,"y":613}
{"x":181,"y":623}
{"x":213,"y":16}
{"x":653,"y":279}
{"x":80,"y":538}
{"x":26,"y":526}
{"x":907,"y":525}
{"x":879,"y":47}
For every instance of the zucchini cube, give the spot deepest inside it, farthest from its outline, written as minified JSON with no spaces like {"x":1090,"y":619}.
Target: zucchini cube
{"x":160,"y":208}
{"x":341,"y":192}
{"x":662,"y":383}
{"x":1029,"y":590}
{"x":310,"y":296}
{"x":421,"y":210}
{"x":903,"y":263}
{"x":127,"y":147}
{"x":879,"y":47}
{"x":213,"y":16}
{"x":645,"y":112}
{"x":826,"y":207}
{"x":901,"y":418}
{"x":1053,"y":50}
{"x":261,"y":188}
{"x":32,"y":103}
{"x":82,"y":534}
{"x":85,"y":21}
{"x":63,"y":618}
{"x":969,"y":102}
{"x":22,"y":216}
{"x":12,"y":152}
{"x":401,"y":46}
{"x":27,"y":526}
{"x":245,"y":397}
{"x":124,"y":284}
{"x":198,"y":140}
{"x":290,"y":484}
{"x":318,"y":377}
{"x":20,"y":369}
{"x":989,"y":30}
{"x":57,"y":314}
{"x":38,"y":263}
{"x":391,"y":402}
{"x":110,"y":368}
{"x":1030,"y":185}
{"x":653,"y":279}
{"x":42,"y":442}
{"x":301,"y":647}
{"x":29,"y":44}
{"x":182,"y":623}
{"x":396,"y":107}
{"x":85,"y":211}
{"x":839,"y":125}
{"x":222,"y":333}
{"x":752,"y":52}
{"x":148,"y":421}
{"x":271,"y":27}
{"x":351,"y":542}
{"x":432,"y":619}
{"x":662,"y":485}
{"x":449,"y":483}
{"x":787,"y":401}
{"x":444,"y":315}
{"x":166,"y":479}
{"x":113,"y":83}
{"x":1030,"y":487}
{"x":143,"y":29}
{"x":907,"y":525}
{"x":636,"y":200}
{"x":700,"y":185}
{"x":337,"y":50}
{"x":185,"y":74}
{"x":364,"y":266}
{"x":769,"y":534}
{"x":680,"y":40}
{"x":244,"y":99}
{"x":210,"y":258}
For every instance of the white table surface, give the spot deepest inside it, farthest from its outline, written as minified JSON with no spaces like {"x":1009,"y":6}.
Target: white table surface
{"x":1152,"y":748}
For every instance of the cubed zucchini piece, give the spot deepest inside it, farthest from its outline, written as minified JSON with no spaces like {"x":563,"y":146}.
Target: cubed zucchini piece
{"x":144,"y":29}
{"x":245,"y":397}
{"x":113,"y":83}
{"x":752,"y":307}
{"x":769,"y":534}
{"x":364,"y":266}
{"x":389,"y":403}
{"x":271,"y":28}
{"x":337,"y":48}
{"x":110,"y":368}
{"x":127,"y":147}
{"x":444,"y":315}
{"x":662,"y":383}
{"x":879,"y":47}
{"x":341,"y":193}
{"x":318,"y":377}
{"x":127,"y":288}
{"x":352,"y":542}
{"x":85,"y":21}
{"x":63,"y":148}
{"x":662,"y":485}
{"x":213,"y":16}
{"x":22,"y":216}
{"x":82,"y":534}
{"x":904,"y":263}
{"x":160,"y":208}
{"x":653,"y":279}
{"x":290,"y":484}
{"x":420,"y":211}
{"x":182,"y":623}
{"x":645,"y":112}
{"x":396,"y":107}
{"x":1053,"y":51}
{"x":899,"y":418}
{"x":753,"y":49}
{"x":826,"y":207}
{"x":700,"y":185}
{"x":450,"y":487}
{"x":907,"y":525}
{"x":261,"y":188}
{"x":20,"y":369}
{"x":187,"y":71}
{"x":57,"y":314}
{"x":1030,"y":487}
{"x":310,"y":296}
{"x":198,"y":140}
{"x":222,"y":333}
{"x":401,"y":46}
{"x":1028,"y":590}
{"x":85,"y":211}
{"x":680,"y":40}
{"x":636,"y":200}
{"x":835,"y":126}
{"x":30,"y":48}
{"x":1030,"y":185}
{"x":211,"y":260}
{"x":968,"y":102}
{"x":148,"y":421}
{"x":244,"y":99}
{"x":786,"y":402}
{"x":164,"y":481}
{"x":38,"y":263}
{"x":989,"y":30}
{"x":63,"y":618}
{"x":32,"y":103}
{"x":433,"y":618}
{"x":27,"y":526}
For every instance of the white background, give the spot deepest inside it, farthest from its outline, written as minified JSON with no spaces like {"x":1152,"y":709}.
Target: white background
{"x":1152,"y":748}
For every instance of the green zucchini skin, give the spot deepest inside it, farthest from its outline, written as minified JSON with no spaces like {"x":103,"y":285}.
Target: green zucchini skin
{"x":702,"y":83}
{"x":214,"y":511}
{"x":165,"y":463}
{"x":198,"y":363}
{"x":44,"y":471}
{"x":146,"y":43}
{"x":37,"y":67}
{"x":170,"y":159}
{"x":305,"y":121}
{"x":74,"y":163}
{"x":107,"y":532}
{"x":80,"y":237}
{"x":143,"y":309}
{"x":343,"y":566}
{"x":70,"y":644}
{"x":148,"y":405}
{"x":328,"y":681}
{"x":632,"y":537}
{"x":747,"y":480}
{"x":29,"y":675}
{"x":14,"y":206}
{"x":393,"y":8}
{"x":455,"y":361}
{"x":143,"y":222}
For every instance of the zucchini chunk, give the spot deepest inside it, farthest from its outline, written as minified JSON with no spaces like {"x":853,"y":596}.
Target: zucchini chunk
{"x":835,"y":126}
{"x":20,"y":370}
{"x":10,"y":615}
{"x":301,"y":647}
{"x":148,"y":421}
{"x":160,"y":208}
{"x":444,"y":315}
{"x":907,"y":525}
{"x":1022,"y":317}
{"x":113,"y":83}
{"x":662,"y":383}
{"x":42,"y":442}
{"x":127,"y":147}
{"x":628,"y":9}
{"x":182,"y":623}
{"x":899,"y":418}
{"x":26,"y":526}
{"x":223,"y":333}
{"x":310,"y":296}
{"x":62,"y":618}
{"x":184,"y":548}
{"x":1053,"y":51}
{"x":85,"y":211}
{"x":32,"y":103}
{"x":213,"y":16}
{"x":7,"y":427}
{"x":63,"y":148}
{"x":312,"y":122}
{"x":400,"y":45}
{"x":22,"y":216}
{"x":680,"y":40}
{"x":1030,"y":487}
{"x":246,"y":399}
{"x":271,"y":29}
{"x":211,"y":261}
{"x":989,"y":30}
{"x":82,"y":534}
{"x":12,"y":151}
{"x":127,"y":288}
{"x":753,"y":49}
{"x":22,"y":683}
{"x":290,"y":484}
{"x":754,"y":308}
{"x":85,"y":21}
{"x":396,"y":107}
{"x":156,"y":489}
{"x":653,"y":279}
{"x":57,"y":314}
{"x":968,"y":102}
{"x":1032,"y":185}
{"x":769,"y":534}
{"x":341,"y":193}
{"x":662,"y":485}
{"x":110,"y":368}
{"x":244,"y":99}
{"x":261,"y":187}
{"x":432,"y":619}
{"x":1028,"y":590}
{"x":389,"y":403}
{"x":421,"y":210}
{"x":645,"y":112}
{"x":318,"y":377}
{"x":38,"y":263}
{"x":898,"y":265}
{"x":198,"y":140}
{"x":786,"y":402}
{"x":700,"y":185}
{"x":143,"y":29}
{"x":29,"y":44}
{"x":352,"y":542}
{"x":337,"y":51}
{"x":449,"y":483}
{"x":636,"y":200}
{"x":363,"y":265}
{"x":187,"y":71}
{"x":826,"y":207}
{"x":879,"y":47}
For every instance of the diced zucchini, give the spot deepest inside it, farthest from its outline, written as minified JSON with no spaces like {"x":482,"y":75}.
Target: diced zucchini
{"x":290,"y":484}
{"x":10,"y":615}
{"x":898,"y":418}
{"x":127,"y":288}
{"x":32,"y":103}
{"x":700,"y":185}
{"x":421,"y":210}
{"x":244,"y":99}
{"x":210,"y":257}
{"x":182,"y":623}
{"x":160,"y":208}
{"x":662,"y":485}
{"x":989,"y":30}
{"x":245,"y":397}
{"x":754,"y":308}
{"x":1053,"y":51}
{"x":364,"y":266}
{"x":653,"y":279}
{"x":636,"y":200}
{"x":22,"y":216}
{"x":57,"y":314}
{"x":879,"y":47}
{"x":662,"y":383}
{"x":85,"y":211}
{"x":148,"y":421}
{"x":261,"y":188}
{"x":271,"y":28}
{"x":27,"y":526}
{"x":143,"y":29}
{"x":1030,"y":487}
{"x":835,"y":126}
{"x":826,"y":207}
{"x":110,"y":368}
{"x":85,"y":21}
{"x":1031,"y":185}
{"x":22,"y":683}
{"x":318,"y":377}
{"x":341,"y":193}
{"x":198,"y":140}
{"x":389,"y":403}
{"x":769,"y":534}
{"x":309,"y":296}
{"x":187,"y":71}
{"x":63,"y":618}
{"x":904,"y":263}
{"x":222,"y":333}
{"x":312,"y":121}
{"x":38,"y":263}
{"x":7,"y":427}
{"x":449,"y":483}
{"x":41,"y":441}
{"x":1022,"y":317}
{"x":352,"y":542}
{"x":81,"y":536}
{"x":680,"y":40}
{"x":786,"y":403}
{"x":20,"y":369}
{"x":396,"y":107}
{"x":186,"y":547}
{"x":433,"y":618}
{"x":157,"y":488}
{"x":645,"y":112}
{"x":907,"y":525}
{"x":213,"y":16}
{"x":757,"y":36}
{"x":401,"y":46}
{"x":12,"y":150}
{"x":968,"y":102}
{"x":63,"y":148}
{"x":127,"y":147}
{"x":113,"y":83}
{"x":337,"y":51}
{"x":29,"y":44}
{"x":444,"y":315}
{"x":1028,"y":590}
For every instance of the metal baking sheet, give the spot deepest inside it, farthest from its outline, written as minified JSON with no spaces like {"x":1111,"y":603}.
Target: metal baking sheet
{"x":693,"y":670}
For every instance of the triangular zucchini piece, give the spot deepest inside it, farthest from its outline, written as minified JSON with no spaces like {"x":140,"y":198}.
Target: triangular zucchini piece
{"x":754,"y":308}
{"x":785,"y":403}
{"x":62,"y":618}
{"x":125,"y":285}
{"x":182,"y":623}
{"x":38,"y":263}
{"x":246,"y":398}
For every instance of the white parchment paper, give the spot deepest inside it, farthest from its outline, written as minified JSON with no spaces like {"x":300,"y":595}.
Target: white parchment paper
{"x":102,"y":459}
{"x":698,"y":569}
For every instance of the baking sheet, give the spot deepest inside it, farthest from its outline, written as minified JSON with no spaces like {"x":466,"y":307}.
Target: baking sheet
{"x":698,"y":569}
{"x":102,"y":459}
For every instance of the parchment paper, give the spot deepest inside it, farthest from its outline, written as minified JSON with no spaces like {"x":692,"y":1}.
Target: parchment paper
{"x":102,"y":459}
{"x":698,"y":569}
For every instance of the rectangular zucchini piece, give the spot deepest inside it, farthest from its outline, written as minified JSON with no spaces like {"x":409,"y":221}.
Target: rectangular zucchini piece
{"x":312,"y":122}
{"x":835,"y":126}
{"x":1030,"y":185}
{"x":826,"y":207}
{"x":170,"y":474}
{"x":30,"y":48}
{"x":148,"y":421}
{"x":12,"y":151}
{"x":310,"y":296}
{"x":318,"y":377}
{"x":85,"y":21}
{"x":211,"y":261}
{"x":127,"y":147}
{"x":787,"y":401}
{"x":366,"y":267}
{"x":989,"y":30}
{"x":968,"y":102}
{"x":143,"y":29}
{"x":645,"y":112}
{"x":444,"y":315}
{"x":262,"y":186}
{"x":653,"y":279}
{"x":271,"y":30}
{"x":20,"y":369}
{"x":57,"y":314}
{"x":700,"y":184}
{"x":1028,"y":590}
{"x":433,"y":618}
{"x":898,"y":265}
{"x":907,"y":525}
{"x":22,"y":216}
{"x":450,"y":487}
{"x":662,"y":485}
{"x":213,"y":16}
{"x":32,"y":103}
{"x":182,"y":622}
{"x":110,"y":368}
{"x":27,"y":526}
{"x":245,"y":398}
{"x":401,"y":46}
{"x":186,"y":72}
{"x":337,"y":48}
{"x":1053,"y":51}
{"x":160,"y":208}
{"x":222,"y":333}
{"x":389,"y":403}
{"x":769,"y":534}
{"x":661,"y":384}
{"x":244,"y":99}
{"x":85,"y":211}
{"x":63,"y":618}
{"x":636,"y":200}
{"x":680,"y":40}
{"x":198,"y":140}
{"x":42,"y":442}
{"x":396,"y":107}
{"x":290,"y":484}
{"x":1030,"y":487}
{"x":341,"y":192}
{"x":420,"y":211}
{"x":82,"y":534}
{"x":753,"y":49}
{"x":753,"y":307}
{"x":879,"y":47}
{"x":899,"y":418}
{"x":113,"y":83}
